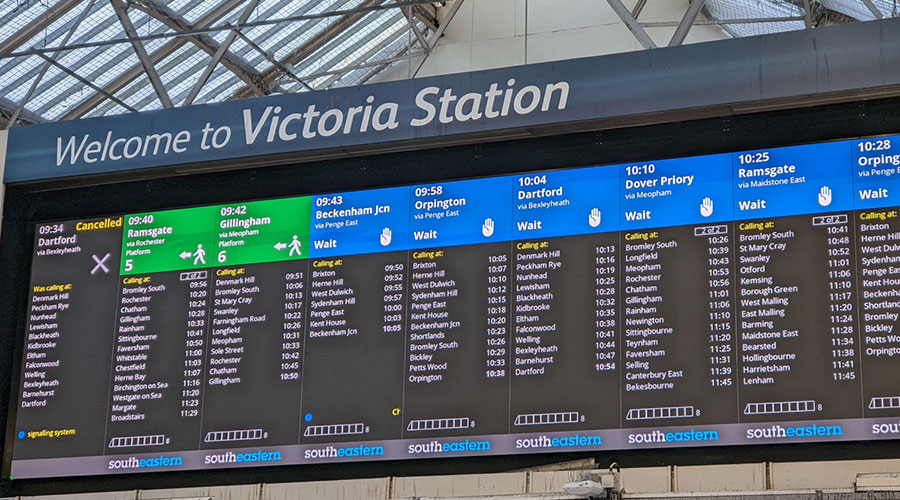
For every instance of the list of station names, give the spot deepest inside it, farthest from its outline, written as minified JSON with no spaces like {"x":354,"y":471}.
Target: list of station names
{"x":71,"y":300}
{"x":724,"y":290}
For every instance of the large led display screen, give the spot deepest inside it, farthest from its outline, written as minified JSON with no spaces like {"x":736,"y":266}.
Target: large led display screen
{"x":730,"y":299}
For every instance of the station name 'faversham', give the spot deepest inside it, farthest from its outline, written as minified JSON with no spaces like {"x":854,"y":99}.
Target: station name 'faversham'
{"x":275,"y":124}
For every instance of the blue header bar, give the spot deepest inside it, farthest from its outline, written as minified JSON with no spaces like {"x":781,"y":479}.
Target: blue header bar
{"x":807,"y":179}
{"x":461,"y":213}
{"x":796,"y":180}
{"x":876,"y":172}
{"x":566,"y":202}
{"x":360,"y":222}
{"x":664,"y":193}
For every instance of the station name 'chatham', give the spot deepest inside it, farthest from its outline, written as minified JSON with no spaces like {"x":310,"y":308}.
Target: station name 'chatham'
{"x":274,"y":123}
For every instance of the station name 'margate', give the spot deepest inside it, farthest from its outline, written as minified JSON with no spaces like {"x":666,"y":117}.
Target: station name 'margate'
{"x":433,"y":105}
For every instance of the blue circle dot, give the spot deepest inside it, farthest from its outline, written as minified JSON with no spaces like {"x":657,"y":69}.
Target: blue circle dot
{"x":308,"y":417}
{"x":21,"y":434}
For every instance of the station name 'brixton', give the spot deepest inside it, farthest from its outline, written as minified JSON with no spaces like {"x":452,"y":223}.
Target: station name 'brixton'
{"x":274,"y":123}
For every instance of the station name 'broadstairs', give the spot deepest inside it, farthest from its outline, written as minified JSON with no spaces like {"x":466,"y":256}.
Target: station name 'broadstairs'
{"x":275,"y":123}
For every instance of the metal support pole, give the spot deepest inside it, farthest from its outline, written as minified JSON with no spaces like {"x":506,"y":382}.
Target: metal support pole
{"x":629,"y":19}
{"x":687,"y":21}
{"x":275,"y":62}
{"x":88,"y":83}
{"x":218,"y":55}
{"x":412,"y":24}
{"x":155,"y":81}
{"x":40,"y":76}
{"x":875,"y":12}
{"x":638,"y":7}
{"x":807,"y":14}
{"x":717,"y":22}
{"x":438,"y":34}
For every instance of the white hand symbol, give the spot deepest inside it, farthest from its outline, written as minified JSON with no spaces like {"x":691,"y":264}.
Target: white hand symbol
{"x":825,"y":196}
{"x":487,"y":229}
{"x":706,"y":208}
{"x":594,"y":218}
{"x":386,"y":237}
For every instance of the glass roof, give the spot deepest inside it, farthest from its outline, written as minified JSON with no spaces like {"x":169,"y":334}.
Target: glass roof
{"x":756,"y":9}
{"x":281,"y":46}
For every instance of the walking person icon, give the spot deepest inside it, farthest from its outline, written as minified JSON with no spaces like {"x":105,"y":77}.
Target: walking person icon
{"x":295,"y":247}
{"x":200,"y":255}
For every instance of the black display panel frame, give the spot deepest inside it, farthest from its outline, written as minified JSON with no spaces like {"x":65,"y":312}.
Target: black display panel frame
{"x":26,"y":204}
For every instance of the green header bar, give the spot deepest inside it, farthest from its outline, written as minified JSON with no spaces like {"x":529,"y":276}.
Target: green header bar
{"x":263,"y":231}
{"x":222,"y":235}
{"x":169,"y":240}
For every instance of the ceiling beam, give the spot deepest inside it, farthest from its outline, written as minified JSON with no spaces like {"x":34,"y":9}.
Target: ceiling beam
{"x":87,"y":82}
{"x":312,"y":45}
{"x":426,"y":13}
{"x":687,"y":21}
{"x":50,"y":60}
{"x":872,"y":8}
{"x":393,"y":45}
{"x":436,"y":37}
{"x":638,"y":7}
{"x":422,"y":16}
{"x":167,"y":35}
{"x":269,"y":57}
{"x":825,"y":16}
{"x":807,"y":14}
{"x":137,"y":70}
{"x":141,"y":52}
{"x":631,"y":22}
{"x":717,"y":22}
{"x":410,"y":20}
{"x":345,"y":46}
{"x":221,"y":51}
{"x":237,"y":65}
{"x":7,"y":108}
{"x":34,"y":27}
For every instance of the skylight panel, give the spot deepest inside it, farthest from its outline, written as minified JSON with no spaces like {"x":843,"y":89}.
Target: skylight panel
{"x":192,"y":11}
{"x":57,"y":91}
{"x":397,"y":43}
{"x":13,"y":78}
{"x":757,"y":9}
{"x":220,"y":80}
{"x":185,"y":72}
{"x":109,"y":64}
{"x":858,"y":10}
{"x":100,"y":24}
{"x":15,"y":15}
{"x":226,"y":91}
{"x":374,"y":29}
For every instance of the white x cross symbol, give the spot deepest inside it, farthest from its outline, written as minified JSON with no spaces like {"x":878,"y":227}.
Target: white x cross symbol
{"x":100,"y":264}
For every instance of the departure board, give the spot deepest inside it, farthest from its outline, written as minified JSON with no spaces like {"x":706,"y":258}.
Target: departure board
{"x":729,"y":299}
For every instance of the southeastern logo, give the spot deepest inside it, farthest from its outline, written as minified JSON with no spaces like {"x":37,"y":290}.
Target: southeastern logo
{"x":559,"y":442}
{"x":803,"y":431}
{"x":657,"y":436}
{"x":143,"y":463}
{"x":888,"y":428}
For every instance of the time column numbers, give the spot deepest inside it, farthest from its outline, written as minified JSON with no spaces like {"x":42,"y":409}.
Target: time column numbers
{"x":605,"y":308}
{"x":497,"y":322}
{"x":195,"y":338}
{"x":292,"y":328}
{"x":393,"y":300}
{"x":721,"y":322}
{"x":840,"y":295}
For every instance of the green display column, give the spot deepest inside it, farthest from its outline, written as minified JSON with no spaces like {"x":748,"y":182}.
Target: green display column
{"x":257,"y":324}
